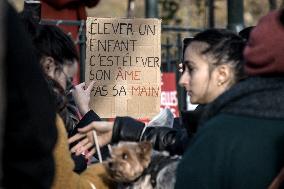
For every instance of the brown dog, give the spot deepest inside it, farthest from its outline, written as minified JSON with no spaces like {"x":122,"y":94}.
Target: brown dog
{"x":136,"y":166}
{"x":128,"y":161}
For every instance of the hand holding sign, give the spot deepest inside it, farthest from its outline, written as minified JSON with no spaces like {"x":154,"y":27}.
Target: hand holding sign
{"x":81,"y":94}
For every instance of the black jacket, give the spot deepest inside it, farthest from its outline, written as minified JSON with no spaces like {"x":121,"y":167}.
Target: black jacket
{"x":175,"y":141}
{"x":30,"y":132}
{"x":80,"y":161}
{"x":239,"y":143}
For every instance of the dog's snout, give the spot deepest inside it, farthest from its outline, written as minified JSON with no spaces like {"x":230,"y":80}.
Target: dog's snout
{"x":110,"y":164}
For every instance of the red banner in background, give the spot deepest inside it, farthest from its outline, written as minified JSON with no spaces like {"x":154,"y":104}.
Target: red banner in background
{"x":169,"y":93}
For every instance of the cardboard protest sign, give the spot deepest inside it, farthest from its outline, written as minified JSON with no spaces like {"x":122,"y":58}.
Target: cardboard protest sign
{"x":123,"y":57}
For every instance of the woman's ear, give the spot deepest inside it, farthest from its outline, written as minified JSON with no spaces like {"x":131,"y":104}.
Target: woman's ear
{"x":48,"y":65}
{"x":224,"y":75}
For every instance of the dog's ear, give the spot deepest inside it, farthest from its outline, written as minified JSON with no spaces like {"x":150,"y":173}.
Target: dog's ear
{"x":145,"y":151}
{"x":145,"y":146}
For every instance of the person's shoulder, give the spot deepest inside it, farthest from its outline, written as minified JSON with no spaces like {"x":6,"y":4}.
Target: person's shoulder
{"x":224,"y":127}
{"x":223,"y":121}
{"x":226,"y":117}
{"x":231,"y":126}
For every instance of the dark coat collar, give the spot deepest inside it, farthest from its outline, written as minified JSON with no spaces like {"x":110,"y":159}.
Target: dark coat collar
{"x":260,"y":97}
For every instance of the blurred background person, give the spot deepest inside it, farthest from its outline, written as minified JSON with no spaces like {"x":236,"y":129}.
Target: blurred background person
{"x":74,"y":10}
{"x":67,"y":10}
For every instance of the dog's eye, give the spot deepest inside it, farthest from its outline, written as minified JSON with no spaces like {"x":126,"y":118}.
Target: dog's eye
{"x":124,"y":156}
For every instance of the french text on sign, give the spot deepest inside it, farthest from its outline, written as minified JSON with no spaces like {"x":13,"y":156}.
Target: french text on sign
{"x":123,"y":57}
{"x":111,"y":45}
{"x":110,"y":28}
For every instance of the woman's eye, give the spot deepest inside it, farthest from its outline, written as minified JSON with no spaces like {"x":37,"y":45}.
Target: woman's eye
{"x":124,"y":156}
{"x":190,"y":69}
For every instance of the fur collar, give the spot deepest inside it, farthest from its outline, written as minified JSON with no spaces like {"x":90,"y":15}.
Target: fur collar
{"x":260,"y":97}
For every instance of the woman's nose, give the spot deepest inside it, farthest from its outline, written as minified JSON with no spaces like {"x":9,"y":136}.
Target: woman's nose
{"x":184,"y":80}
